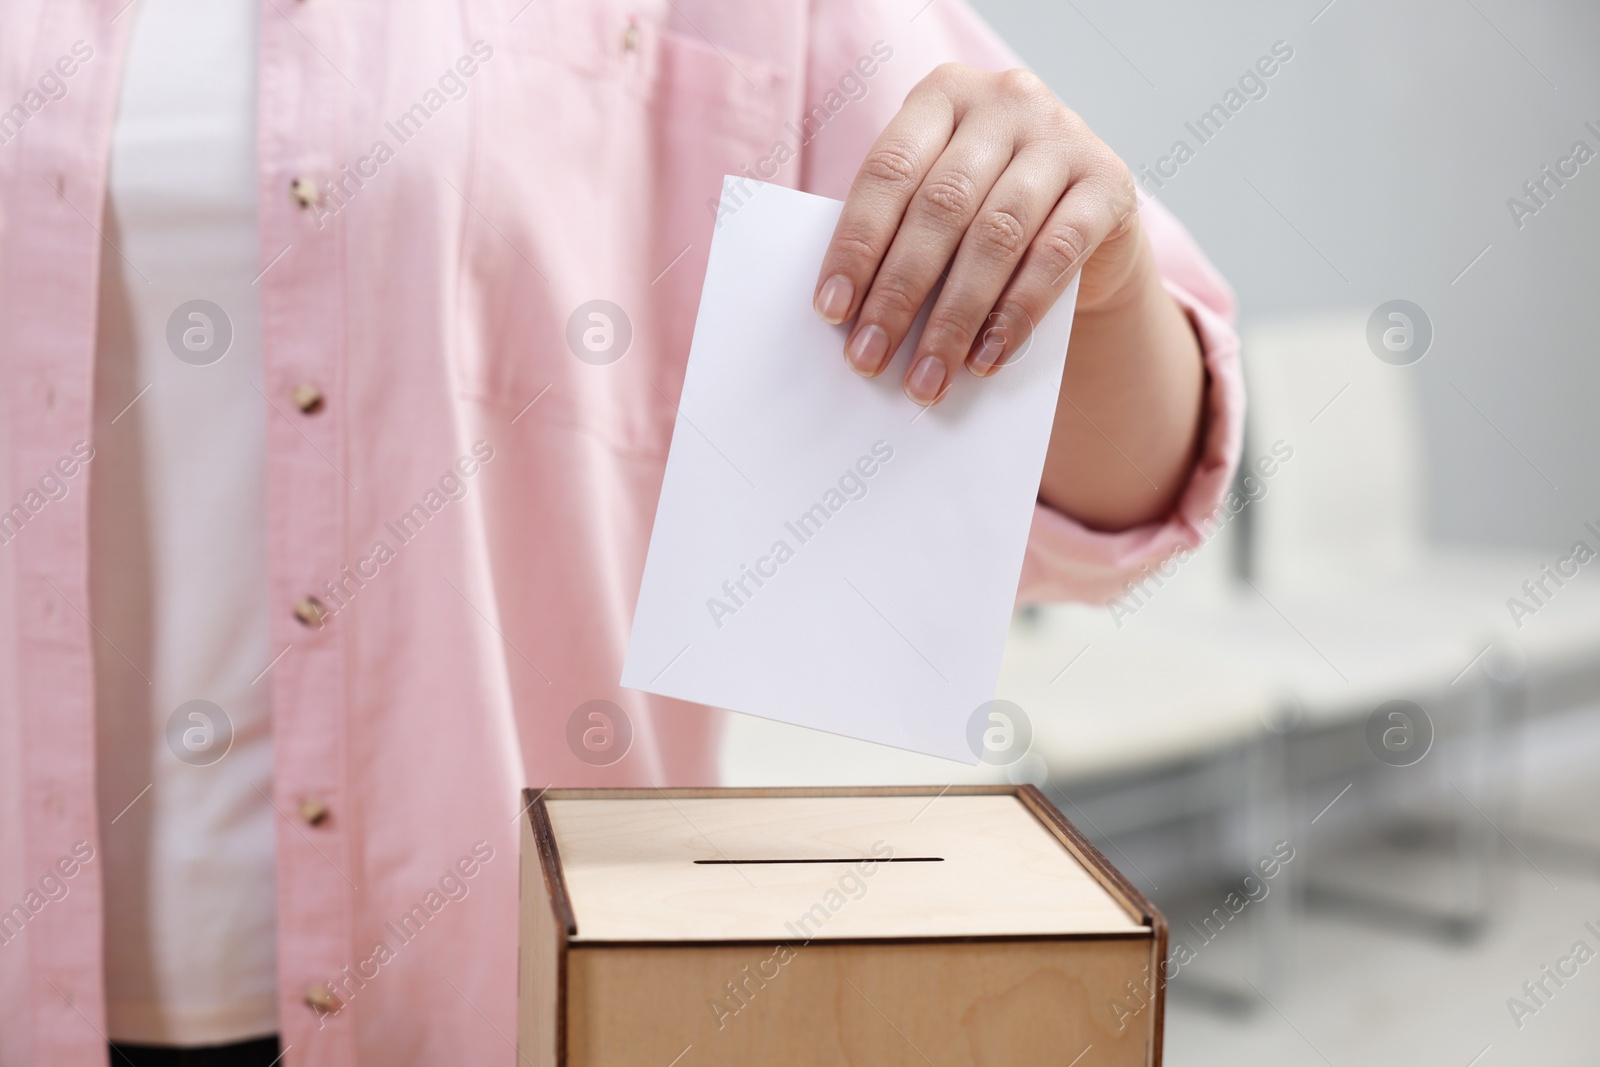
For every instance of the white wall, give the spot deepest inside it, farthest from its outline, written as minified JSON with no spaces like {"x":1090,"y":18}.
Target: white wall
{"x":1391,"y":141}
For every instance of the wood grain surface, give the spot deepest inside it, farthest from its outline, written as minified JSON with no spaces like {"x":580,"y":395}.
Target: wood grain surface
{"x":991,"y":869}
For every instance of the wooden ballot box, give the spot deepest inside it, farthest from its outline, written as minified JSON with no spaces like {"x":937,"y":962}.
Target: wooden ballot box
{"x":959,"y":925}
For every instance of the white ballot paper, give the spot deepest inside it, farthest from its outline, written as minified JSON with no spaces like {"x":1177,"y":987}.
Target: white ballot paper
{"x":826,"y":552}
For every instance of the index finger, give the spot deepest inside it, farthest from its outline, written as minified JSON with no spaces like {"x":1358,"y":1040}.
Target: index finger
{"x":892,"y":172}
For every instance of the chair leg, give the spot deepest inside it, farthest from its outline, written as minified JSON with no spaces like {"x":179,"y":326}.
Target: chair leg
{"x":1268,"y":821}
{"x":1476,"y":833}
{"x":1509,"y":708}
{"x":1476,"y":800}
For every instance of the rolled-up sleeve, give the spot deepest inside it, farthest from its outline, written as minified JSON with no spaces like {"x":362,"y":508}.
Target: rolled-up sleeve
{"x":1065,"y":560}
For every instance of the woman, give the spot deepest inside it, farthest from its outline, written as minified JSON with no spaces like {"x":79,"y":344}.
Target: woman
{"x":319,"y":531}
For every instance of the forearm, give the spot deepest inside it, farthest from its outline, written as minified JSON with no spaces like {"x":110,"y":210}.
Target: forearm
{"x":1128,"y":422}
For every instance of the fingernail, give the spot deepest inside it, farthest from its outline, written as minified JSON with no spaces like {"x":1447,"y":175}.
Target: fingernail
{"x":867,"y":350}
{"x":833,"y":301}
{"x":926,"y":380}
{"x":987,"y":357}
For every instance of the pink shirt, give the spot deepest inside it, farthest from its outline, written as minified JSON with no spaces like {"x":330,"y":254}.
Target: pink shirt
{"x":471,"y":502}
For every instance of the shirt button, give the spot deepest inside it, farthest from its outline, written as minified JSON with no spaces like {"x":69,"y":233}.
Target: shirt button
{"x":308,"y":398}
{"x":309,"y":610}
{"x":630,"y":37}
{"x":323,"y":1000}
{"x":305,"y":192}
{"x":313,"y":811}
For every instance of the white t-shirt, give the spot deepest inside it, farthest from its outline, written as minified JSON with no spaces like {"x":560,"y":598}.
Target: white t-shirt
{"x":178,"y":542}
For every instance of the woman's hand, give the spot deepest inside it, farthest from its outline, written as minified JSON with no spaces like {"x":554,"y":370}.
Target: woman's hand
{"x":988,"y":181}
{"x":990,"y":176}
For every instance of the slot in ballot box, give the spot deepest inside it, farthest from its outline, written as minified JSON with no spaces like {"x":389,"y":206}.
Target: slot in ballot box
{"x":957,"y":925}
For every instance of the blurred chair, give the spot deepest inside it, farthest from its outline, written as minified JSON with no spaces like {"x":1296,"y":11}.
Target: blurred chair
{"x":1345,"y":529}
{"x":1316,"y":630}
{"x":1346,"y":521}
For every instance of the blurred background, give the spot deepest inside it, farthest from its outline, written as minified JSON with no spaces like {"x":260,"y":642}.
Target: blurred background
{"x":1386,"y":657}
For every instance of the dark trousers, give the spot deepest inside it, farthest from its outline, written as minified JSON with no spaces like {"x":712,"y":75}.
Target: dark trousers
{"x":262,"y":1052}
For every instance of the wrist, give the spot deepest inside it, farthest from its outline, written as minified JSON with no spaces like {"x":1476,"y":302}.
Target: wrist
{"x":1126,"y":281}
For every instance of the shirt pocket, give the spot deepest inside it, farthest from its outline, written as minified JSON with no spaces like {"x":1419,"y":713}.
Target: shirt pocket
{"x":598,"y":160}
